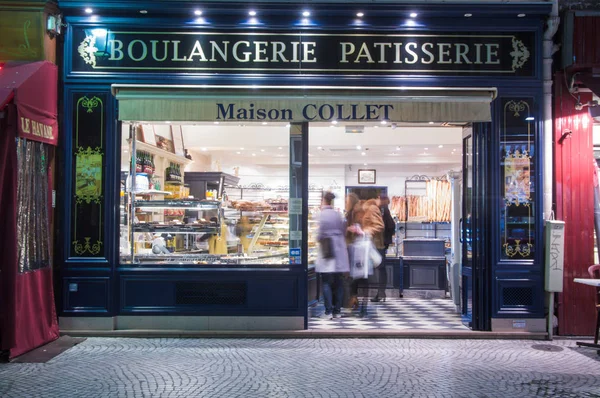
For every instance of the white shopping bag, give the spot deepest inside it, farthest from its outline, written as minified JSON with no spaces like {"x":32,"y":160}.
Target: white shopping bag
{"x":363,"y":257}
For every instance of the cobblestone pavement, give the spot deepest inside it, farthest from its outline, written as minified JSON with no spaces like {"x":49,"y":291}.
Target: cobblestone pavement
{"x":132,"y":367}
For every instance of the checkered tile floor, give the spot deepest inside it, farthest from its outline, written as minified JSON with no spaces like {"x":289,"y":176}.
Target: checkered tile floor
{"x":394,"y":314}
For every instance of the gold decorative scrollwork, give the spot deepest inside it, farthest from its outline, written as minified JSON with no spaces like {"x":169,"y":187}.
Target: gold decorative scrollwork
{"x":87,"y":50}
{"x":90,"y":103}
{"x":516,"y":107}
{"x":87,"y":247}
{"x":520,"y":54}
{"x":88,"y":175}
{"x":524,"y":250}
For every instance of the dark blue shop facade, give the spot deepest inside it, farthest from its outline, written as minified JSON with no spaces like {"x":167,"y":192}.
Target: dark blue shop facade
{"x":156,"y":61}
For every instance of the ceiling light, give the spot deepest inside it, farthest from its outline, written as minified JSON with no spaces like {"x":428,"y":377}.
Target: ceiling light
{"x":204,"y":149}
{"x":384,"y":122}
{"x":468,"y":15}
{"x":426,"y":149}
{"x":143,"y":11}
{"x":358,"y":147}
{"x":363,"y":153}
{"x":430,"y":122}
{"x":521,"y":15}
{"x":280,"y":148}
{"x":413,"y":14}
{"x":242,"y":148}
{"x":216,"y":122}
{"x":440,"y":146}
{"x":306,"y":14}
{"x":197,"y":12}
{"x":365,"y":164}
{"x":264,"y":123}
{"x":252,"y":13}
{"x":360,"y":14}
{"x":126,"y":151}
{"x":398,"y":148}
{"x":262,"y":150}
{"x":319,"y":148}
{"x":334,"y":122}
{"x":253,"y":154}
{"x":88,"y":10}
{"x":288,"y":125}
{"x":168,"y":122}
{"x":238,"y":152}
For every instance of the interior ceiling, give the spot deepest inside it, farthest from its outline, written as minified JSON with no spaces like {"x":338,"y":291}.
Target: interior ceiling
{"x":329,"y":144}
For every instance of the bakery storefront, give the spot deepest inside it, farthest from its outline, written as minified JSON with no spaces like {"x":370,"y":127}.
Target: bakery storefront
{"x":198,"y":144}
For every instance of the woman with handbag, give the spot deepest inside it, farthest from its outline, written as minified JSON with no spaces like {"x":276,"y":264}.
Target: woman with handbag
{"x":354,"y":219}
{"x":332,"y":260}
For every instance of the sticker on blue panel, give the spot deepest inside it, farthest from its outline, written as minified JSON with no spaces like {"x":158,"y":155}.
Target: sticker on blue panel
{"x":295,"y":255}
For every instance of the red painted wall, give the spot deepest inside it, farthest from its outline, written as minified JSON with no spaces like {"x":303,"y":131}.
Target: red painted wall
{"x":574,"y":199}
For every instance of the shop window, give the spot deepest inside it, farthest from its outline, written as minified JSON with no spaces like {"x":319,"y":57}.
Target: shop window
{"x":88,"y":163}
{"x":518,"y":171}
{"x":205,"y":195}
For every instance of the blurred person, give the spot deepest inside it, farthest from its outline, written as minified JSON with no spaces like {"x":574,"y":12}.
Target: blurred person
{"x":332,"y":261}
{"x":383,"y":202}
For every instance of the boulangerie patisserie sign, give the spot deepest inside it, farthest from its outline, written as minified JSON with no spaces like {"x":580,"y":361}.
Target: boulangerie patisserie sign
{"x":410,"y":53}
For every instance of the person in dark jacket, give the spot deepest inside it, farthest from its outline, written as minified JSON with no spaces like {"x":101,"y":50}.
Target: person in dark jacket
{"x":383,"y":202}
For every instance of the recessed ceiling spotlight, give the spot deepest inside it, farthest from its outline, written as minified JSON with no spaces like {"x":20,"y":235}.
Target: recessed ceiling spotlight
{"x":168,"y":122}
{"x":468,"y":15}
{"x":88,"y":10}
{"x":360,"y":14}
{"x":262,"y":150}
{"x":143,"y":11}
{"x":306,"y":13}
{"x":358,"y":147}
{"x":216,"y":122}
{"x":204,"y":149}
{"x":280,"y":147}
{"x":365,"y":164}
{"x":440,"y":146}
{"x":363,"y":153}
{"x":521,"y":15}
{"x":264,"y":123}
{"x":198,"y":12}
{"x":413,"y":14}
{"x":384,"y":122}
{"x":319,"y":148}
{"x":334,"y":122}
{"x":238,"y":152}
{"x":252,"y":13}
{"x":287,"y":125}
{"x":431,"y":123}
{"x":426,"y":149}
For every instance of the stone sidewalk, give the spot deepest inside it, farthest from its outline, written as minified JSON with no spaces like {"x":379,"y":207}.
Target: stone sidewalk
{"x":134,"y":367}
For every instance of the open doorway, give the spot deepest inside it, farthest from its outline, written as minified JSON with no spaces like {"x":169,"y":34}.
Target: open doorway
{"x":418,"y":167}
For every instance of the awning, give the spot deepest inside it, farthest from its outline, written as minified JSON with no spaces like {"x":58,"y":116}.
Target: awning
{"x":33,"y":88}
{"x":296,"y":103}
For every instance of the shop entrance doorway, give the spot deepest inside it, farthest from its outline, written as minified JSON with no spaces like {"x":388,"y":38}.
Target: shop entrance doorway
{"x":434,"y":175}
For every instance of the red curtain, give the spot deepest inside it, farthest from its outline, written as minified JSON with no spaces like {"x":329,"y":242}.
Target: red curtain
{"x":8,"y":226}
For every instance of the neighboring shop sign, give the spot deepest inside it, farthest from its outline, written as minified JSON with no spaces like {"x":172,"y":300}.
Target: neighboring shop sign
{"x":431,"y":53}
{"x":22,"y":37}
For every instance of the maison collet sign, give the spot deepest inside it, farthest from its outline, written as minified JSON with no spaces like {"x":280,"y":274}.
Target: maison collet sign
{"x":439,"y":53}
